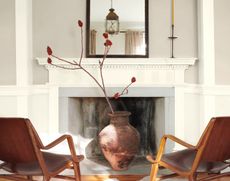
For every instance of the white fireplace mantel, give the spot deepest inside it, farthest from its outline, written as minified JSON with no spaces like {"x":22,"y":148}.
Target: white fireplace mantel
{"x":146,"y":70}
{"x":154,"y":76}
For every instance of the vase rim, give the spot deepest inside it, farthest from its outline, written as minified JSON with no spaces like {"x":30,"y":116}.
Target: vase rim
{"x":120,"y":113}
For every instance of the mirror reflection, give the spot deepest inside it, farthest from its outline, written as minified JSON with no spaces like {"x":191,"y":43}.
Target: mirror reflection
{"x":124,"y":20}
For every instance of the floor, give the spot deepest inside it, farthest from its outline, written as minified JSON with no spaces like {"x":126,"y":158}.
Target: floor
{"x":124,"y":177}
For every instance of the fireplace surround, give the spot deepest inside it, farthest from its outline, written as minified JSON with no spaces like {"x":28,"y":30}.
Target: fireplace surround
{"x":72,"y":101}
{"x":159,"y":78}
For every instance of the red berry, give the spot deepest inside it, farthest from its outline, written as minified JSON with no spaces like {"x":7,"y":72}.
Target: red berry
{"x":49,"y":60}
{"x":133,"y":79}
{"x":106,"y":35}
{"x":116,"y":96}
{"x":80,"y":23}
{"x":108,"y":43}
{"x":49,"y":50}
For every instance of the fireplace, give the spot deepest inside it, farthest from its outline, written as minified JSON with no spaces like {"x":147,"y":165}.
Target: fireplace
{"x":83,"y":113}
{"x":160,"y":80}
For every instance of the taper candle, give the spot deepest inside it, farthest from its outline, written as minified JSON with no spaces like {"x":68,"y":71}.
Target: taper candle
{"x":173,"y":15}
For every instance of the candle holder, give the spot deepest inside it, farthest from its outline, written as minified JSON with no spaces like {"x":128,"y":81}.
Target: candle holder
{"x":172,"y":38}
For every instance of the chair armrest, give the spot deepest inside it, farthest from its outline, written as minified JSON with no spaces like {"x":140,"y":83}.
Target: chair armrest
{"x":55,"y":142}
{"x":181,"y":142}
{"x":162,"y":147}
{"x":159,"y":153}
{"x":70,"y":144}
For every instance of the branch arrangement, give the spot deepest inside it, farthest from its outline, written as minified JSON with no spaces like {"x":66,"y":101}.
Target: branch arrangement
{"x":76,"y":65}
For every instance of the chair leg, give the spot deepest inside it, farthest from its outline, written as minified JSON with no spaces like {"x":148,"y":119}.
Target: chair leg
{"x":46,"y":178}
{"x":77,"y":171}
{"x":154,"y":170}
{"x":192,"y":177}
{"x":29,"y":177}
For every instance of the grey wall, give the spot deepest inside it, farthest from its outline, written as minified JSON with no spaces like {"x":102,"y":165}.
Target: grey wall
{"x":185,"y":30}
{"x":7,"y":43}
{"x":222,"y":41}
{"x":55,"y":25}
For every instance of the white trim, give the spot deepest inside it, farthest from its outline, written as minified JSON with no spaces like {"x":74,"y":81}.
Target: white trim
{"x":23,"y":91}
{"x":23,"y":43}
{"x":206,"y":41}
{"x":23,"y":31}
{"x":215,"y":90}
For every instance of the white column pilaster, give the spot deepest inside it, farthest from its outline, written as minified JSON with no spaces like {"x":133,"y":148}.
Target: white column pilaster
{"x":23,"y":31}
{"x":207,"y":57}
{"x":206,"y":41}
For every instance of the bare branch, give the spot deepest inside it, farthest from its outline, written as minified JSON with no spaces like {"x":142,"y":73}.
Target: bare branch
{"x":82,"y":50}
{"x":63,"y":67}
{"x":78,"y":65}
{"x":66,"y":61}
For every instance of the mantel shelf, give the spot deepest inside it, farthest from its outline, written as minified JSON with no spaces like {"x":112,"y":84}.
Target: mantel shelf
{"x":147,"y":70}
{"x":127,"y":61}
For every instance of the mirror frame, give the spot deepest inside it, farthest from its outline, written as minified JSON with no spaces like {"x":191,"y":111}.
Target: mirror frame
{"x":146,"y":55}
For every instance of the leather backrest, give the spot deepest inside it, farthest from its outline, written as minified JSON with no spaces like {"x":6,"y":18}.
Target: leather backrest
{"x":217,"y":146}
{"x":15,"y":141}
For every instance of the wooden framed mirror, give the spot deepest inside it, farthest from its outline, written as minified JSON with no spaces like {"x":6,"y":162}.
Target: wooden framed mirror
{"x":131,"y":40}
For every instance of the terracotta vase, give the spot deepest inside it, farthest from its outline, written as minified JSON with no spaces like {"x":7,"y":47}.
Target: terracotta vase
{"x":119,"y":141}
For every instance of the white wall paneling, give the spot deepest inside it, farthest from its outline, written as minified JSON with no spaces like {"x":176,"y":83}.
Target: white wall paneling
{"x":38,"y":101}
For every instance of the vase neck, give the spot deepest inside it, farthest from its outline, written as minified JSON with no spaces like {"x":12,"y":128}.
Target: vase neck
{"x":119,"y":118}
{"x":120,"y":121}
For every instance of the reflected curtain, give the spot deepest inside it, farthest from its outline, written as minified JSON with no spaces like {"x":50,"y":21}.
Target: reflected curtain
{"x":93,"y":42}
{"x":133,"y":42}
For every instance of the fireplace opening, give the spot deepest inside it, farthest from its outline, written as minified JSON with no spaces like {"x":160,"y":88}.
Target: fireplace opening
{"x":88,"y":116}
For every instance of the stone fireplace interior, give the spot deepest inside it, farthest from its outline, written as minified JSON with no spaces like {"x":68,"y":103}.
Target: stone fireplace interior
{"x":89,"y":115}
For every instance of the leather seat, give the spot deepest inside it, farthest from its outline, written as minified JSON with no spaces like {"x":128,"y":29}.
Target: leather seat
{"x":183,"y":161}
{"x":53,"y":162}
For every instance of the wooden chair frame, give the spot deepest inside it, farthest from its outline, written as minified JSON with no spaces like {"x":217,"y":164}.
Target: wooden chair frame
{"x":38,"y":147}
{"x":191,"y":174}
